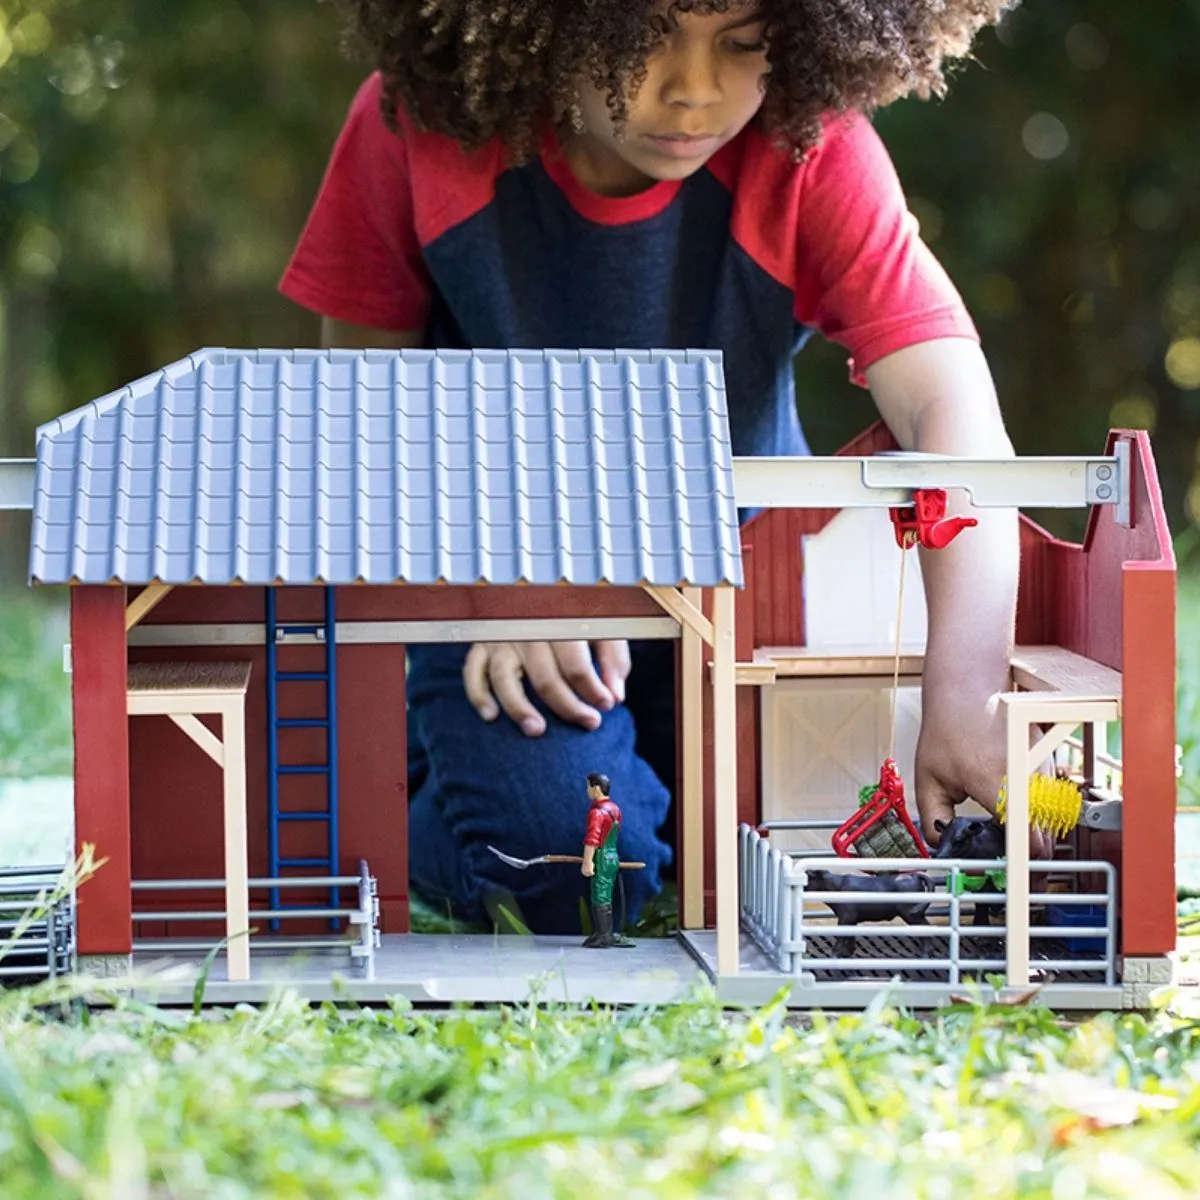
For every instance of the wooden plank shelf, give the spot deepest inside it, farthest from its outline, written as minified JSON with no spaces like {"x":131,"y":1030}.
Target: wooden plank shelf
{"x":1034,"y":668}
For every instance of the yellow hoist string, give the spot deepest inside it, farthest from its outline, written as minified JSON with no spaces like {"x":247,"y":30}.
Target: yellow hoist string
{"x":896,"y":656}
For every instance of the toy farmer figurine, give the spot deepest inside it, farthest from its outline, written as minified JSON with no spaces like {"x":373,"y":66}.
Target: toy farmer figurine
{"x":600,"y":861}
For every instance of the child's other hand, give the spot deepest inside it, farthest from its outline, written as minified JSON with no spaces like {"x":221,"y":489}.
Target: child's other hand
{"x":561,"y":673}
{"x":961,"y":752}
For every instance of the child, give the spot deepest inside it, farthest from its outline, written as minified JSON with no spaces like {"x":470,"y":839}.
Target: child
{"x":537,"y":173}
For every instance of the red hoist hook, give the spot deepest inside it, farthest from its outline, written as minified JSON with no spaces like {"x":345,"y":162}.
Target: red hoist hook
{"x":924,"y":522}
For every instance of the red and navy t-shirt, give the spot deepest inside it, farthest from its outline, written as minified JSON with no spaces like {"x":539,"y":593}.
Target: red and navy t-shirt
{"x":748,"y":255}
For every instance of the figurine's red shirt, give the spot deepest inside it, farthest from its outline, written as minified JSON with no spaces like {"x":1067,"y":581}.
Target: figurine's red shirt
{"x":749,"y":255}
{"x":602,"y":816}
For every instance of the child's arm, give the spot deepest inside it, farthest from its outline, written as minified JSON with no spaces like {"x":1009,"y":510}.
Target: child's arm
{"x":938,"y":396}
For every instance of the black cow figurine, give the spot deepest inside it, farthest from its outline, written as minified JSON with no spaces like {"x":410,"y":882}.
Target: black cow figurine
{"x":854,"y":912}
{"x":974,"y":837}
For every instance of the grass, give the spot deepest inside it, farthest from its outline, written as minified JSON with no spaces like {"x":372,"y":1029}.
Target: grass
{"x":545,"y":1102}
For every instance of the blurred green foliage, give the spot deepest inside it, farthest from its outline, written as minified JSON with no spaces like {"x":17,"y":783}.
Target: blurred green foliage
{"x":1187,"y":688}
{"x":1059,"y":183}
{"x":157,"y":162}
{"x":35,"y":695}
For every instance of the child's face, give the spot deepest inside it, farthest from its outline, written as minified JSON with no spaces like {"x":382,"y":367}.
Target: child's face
{"x":704,"y":82}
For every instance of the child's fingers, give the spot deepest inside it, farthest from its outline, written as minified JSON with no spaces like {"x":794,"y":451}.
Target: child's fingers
{"x":545,"y":674}
{"x":505,"y":677}
{"x":934,"y":803}
{"x":475,"y":680}
{"x":574,"y":661}
{"x":492,"y":680}
{"x":613,"y":659}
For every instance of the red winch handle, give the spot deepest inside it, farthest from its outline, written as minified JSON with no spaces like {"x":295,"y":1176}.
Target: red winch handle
{"x":924,"y":522}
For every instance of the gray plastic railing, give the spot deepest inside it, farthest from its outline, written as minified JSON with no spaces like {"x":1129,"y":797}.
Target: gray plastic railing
{"x":773,"y":886}
{"x":46,"y":945}
{"x":365,"y":916}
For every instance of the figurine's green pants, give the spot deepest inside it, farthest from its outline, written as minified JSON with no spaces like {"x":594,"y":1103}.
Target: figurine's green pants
{"x":607,"y":864}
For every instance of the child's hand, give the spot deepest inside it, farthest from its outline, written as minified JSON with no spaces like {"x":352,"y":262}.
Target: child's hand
{"x":562,"y":674}
{"x":961,"y":752}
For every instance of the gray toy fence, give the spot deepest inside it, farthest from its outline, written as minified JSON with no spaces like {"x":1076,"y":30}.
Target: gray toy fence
{"x":1072,"y":924}
{"x":361,"y":938}
{"x":37,"y":934}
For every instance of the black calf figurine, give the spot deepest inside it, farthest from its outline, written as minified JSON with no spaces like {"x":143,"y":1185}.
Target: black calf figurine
{"x":853,"y":912}
{"x":974,"y":837}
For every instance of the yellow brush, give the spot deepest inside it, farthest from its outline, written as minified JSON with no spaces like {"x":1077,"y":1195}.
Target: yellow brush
{"x":1055,"y":805}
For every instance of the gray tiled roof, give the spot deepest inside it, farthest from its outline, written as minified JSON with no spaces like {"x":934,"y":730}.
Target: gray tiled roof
{"x":342,"y":465}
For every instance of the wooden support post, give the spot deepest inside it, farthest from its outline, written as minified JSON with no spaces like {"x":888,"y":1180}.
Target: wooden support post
{"x":1016,"y":850}
{"x":691,"y":850}
{"x":237,"y":874}
{"x":725,"y":779}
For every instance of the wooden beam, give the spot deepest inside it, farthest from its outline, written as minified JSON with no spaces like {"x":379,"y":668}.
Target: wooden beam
{"x":691,"y":850}
{"x":1050,"y":741}
{"x":201,"y":735}
{"x":1053,"y":708}
{"x":803,"y":661}
{"x":754,"y":674}
{"x":1016,"y":849}
{"x":1053,"y":669}
{"x":143,"y":602}
{"x":1034,"y":668}
{"x":725,"y":780}
{"x":237,"y":873}
{"x":686,"y":613}
{"x":389,"y":633}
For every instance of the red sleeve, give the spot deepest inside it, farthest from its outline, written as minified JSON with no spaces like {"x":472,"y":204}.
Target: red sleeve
{"x":599,"y":823}
{"x":864,"y":278}
{"x":358,"y":259}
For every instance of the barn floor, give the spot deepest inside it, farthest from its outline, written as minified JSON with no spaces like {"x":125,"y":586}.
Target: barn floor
{"x":442,"y":969}
{"x":759,"y":981}
{"x":479,"y":968}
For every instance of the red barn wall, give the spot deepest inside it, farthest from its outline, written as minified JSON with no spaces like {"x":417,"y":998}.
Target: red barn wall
{"x":176,"y":790}
{"x":1112,"y":599}
{"x":98,"y":687}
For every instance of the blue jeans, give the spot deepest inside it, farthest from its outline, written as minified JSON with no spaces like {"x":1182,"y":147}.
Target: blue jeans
{"x":473,"y":782}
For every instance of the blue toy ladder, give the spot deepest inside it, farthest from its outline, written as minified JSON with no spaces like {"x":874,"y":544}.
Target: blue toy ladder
{"x":278,"y":773}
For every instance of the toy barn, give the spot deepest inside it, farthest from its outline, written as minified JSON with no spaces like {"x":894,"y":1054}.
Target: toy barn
{"x":251,"y":539}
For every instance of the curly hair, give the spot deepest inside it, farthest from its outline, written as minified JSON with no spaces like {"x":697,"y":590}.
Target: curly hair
{"x":478,"y":69}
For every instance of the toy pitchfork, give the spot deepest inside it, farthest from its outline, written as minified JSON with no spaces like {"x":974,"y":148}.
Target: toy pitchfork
{"x":522,"y":863}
